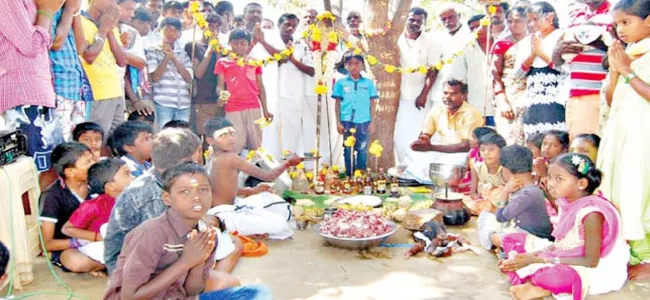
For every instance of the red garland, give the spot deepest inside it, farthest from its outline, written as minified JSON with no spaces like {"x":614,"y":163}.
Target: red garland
{"x":331,"y":46}
{"x":315,"y":46}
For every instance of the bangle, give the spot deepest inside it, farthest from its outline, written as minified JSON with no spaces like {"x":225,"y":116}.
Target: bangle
{"x":78,"y":13}
{"x":45,"y":13}
{"x":551,"y":64}
{"x":499,"y":93}
{"x":525,"y":68}
{"x":98,"y":38}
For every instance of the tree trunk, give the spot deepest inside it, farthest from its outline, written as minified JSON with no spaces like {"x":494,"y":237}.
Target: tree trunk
{"x":388,"y":84}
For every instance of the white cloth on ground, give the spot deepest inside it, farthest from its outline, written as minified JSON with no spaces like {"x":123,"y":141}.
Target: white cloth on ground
{"x":260,"y":214}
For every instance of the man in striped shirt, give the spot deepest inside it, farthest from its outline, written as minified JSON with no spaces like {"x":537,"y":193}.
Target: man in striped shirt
{"x":170,"y":71}
{"x":587,"y":71}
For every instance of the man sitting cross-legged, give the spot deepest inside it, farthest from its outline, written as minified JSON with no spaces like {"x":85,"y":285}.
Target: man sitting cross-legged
{"x":261,"y":212}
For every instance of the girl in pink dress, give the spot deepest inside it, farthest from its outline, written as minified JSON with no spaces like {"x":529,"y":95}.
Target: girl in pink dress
{"x":589,"y":255}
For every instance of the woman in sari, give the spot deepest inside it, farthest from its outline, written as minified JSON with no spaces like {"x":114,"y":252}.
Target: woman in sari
{"x":545,"y":104}
{"x":510,"y":90}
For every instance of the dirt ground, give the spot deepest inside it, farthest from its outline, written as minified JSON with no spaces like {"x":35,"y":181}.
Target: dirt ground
{"x":306,"y":268}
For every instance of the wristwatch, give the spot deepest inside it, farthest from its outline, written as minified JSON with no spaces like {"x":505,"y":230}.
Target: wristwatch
{"x":629,"y":77}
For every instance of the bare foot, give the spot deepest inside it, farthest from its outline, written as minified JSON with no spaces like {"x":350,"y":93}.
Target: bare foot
{"x":528,"y":291}
{"x":638,"y":272}
{"x":99,"y":274}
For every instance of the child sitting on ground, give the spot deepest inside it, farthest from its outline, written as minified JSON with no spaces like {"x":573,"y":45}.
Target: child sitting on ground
{"x":263,"y":212}
{"x":136,"y":116}
{"x":589,"y":255}
{"x":106,"y":178}
{"x":355,"y":109}
{"x":171,"y":256}
{"x":90,"y":134}
{"x":132,"y":141}
{"x":473,"y":156}
{"x":71,"y":161}
{"x":521,"y":202}
{"x":555,"y":142}
{"x":475,"y":153}
{"x":587,"y":144}
{"x":487,"y":180}
{"x":534,"y":144}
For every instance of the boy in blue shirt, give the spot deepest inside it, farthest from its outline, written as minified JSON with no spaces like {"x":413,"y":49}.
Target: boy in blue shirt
{"x":355,"y":108}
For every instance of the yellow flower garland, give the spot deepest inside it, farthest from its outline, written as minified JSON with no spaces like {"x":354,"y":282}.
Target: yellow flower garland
{"x":424,"y":69}
{"x":213,"y":41}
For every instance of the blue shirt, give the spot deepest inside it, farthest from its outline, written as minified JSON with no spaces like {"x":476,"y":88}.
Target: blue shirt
{"x":66,"y":67}
{"x":355,"y":97}
{"x":136,"y":168}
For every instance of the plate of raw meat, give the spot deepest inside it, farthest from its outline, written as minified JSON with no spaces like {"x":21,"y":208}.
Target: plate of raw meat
{"x":353,"y":229}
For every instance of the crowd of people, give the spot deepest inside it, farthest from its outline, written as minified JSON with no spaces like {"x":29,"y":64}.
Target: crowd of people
{"x":119,"y":100}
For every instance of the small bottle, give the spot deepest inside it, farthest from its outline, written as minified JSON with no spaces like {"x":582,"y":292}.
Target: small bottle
{"x":368,"y":184}
{"x":347,"y":186}
{"x":381,"y":182}
{"x":329,"y":181}
{"x":357,"y":185}
{"x":319,"y":186}
{"x":394,"y":188}
{"x":335,"y":187}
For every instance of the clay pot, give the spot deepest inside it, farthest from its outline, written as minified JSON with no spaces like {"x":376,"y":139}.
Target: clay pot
{"x":454,"y":212}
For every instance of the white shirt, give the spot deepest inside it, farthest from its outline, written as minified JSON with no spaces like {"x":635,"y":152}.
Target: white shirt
{"x":135,"y":48}
{"x":425,"y":50}
{"x":471,"y":67}
{"x":450,"y":45}
{"x":291,"y":81}
{"x":186,"y":36}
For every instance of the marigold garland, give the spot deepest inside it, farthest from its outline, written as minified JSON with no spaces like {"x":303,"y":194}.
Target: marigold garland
{"x":213,"y":41}
{"x":424,"y":69}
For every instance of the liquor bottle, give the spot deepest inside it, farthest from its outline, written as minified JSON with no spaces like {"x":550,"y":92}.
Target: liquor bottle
{"x":347,"y":186}
{"x":329,"y":180}
{"x":319,"y":186}
{"x":381,"y":182}
{"x":357,"y":185}
{"x":368,"y":184}
{"x":394,"y":188}
{"x":335,"y":187}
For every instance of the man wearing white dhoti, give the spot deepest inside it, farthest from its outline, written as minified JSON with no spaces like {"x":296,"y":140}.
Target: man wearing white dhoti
{"x":266,"y":43}
{"x":417,"y":49}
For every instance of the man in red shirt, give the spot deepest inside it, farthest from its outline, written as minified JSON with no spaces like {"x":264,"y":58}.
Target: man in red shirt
{"x":245,"y":92}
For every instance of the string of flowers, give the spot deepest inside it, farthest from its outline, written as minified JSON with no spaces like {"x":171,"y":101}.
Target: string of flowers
{"x":321,"y":49}
{"x":423,"y":69}
{"x":213,"y":42}
{"x":379,"y":31}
